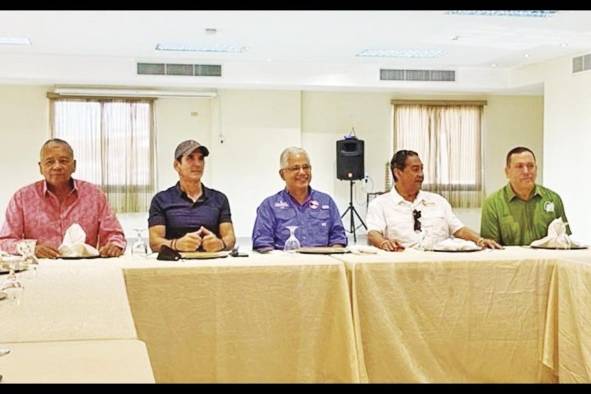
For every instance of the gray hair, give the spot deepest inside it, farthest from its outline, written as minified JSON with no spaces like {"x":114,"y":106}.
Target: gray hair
{"x":59,"y":142}
{"x":292,"y":150}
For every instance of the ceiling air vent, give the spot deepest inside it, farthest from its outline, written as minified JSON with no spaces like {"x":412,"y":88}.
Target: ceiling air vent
{"x":581,"y":63}
{"x":179,"y":69}
{"x":417,"y":75}
{"x":197,"y":70}
{"x":151,"y":69}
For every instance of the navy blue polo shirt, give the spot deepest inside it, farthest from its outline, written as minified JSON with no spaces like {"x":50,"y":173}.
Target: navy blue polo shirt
{"x":175,"y":210}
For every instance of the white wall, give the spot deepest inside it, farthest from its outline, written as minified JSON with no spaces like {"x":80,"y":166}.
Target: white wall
{"x":328,"y":117}
{"x":24,"y":126}
{"x":256,"y":126}
{"x":179,"y":119}
{"x":567,"y":138}
{"x":511,"y":121}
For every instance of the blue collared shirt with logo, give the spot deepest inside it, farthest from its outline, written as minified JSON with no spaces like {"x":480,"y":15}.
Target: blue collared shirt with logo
{"x":318,"y":221}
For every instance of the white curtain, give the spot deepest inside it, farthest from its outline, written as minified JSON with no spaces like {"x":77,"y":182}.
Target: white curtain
{"x":447,"y":139}
{"x":114,"y":145}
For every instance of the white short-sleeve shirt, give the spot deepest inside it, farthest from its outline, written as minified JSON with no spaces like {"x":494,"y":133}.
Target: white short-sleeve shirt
{"x":392,"y":215}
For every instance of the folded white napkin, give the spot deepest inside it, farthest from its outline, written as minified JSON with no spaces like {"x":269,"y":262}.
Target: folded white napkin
{"x":73,"y":244}
{"x":455,"y":244}
{"x":557,"y":236}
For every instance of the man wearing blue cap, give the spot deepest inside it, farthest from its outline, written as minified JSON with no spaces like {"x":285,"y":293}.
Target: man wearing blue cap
{"x":189,"y":216}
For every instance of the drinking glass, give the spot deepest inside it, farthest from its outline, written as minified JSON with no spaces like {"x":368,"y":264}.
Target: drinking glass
{"x":425,"y":241}
{"x":11,"y":289}
{"x":139,"y":247}
{"x":292,"y":242}
{"x":14,"y":292}
{"x":26,"y":248}
{"x":11,"y":286}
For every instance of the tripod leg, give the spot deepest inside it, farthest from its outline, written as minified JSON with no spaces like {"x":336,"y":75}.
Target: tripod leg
{"x":359,"y":217}
{"x":345,"y":213}
{"x":353,"y":224}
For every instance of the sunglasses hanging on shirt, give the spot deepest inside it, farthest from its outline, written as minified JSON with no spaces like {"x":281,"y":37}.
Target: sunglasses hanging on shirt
{"x":416,"y":215}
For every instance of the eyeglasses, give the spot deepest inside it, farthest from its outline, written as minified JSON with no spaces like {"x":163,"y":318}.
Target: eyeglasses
{"x":416,"y":215}
{"x":305,"y":168}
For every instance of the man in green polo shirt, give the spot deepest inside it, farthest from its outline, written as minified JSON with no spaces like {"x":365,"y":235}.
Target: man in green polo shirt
{"x":520,"y":212}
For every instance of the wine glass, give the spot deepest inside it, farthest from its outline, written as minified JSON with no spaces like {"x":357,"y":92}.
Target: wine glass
{"x":139,"y":247}
{"x":26,"y":248}
{"x":12,"y":288}
{"x":292,"y":242}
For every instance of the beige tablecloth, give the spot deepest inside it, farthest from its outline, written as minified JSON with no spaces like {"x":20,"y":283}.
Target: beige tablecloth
{"x":459,"y":317}
{"x":573,"y":324}
{"x":69,"y":300}
{"x":100,"y":361}
{"x":516,"y":315}
{"x":267,"y":318}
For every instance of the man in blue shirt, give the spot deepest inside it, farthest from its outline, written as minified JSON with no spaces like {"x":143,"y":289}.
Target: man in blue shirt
{"x":315,"y":213}
{"x":189,"y":216}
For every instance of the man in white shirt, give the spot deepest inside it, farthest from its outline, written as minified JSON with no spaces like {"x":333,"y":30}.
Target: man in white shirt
{"x":409,"y":217}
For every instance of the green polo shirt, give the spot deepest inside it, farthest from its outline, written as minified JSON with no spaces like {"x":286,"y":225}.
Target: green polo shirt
{"x":512,"y":221}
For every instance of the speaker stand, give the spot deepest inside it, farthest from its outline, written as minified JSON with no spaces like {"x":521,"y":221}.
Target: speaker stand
{"x":353,"y":212}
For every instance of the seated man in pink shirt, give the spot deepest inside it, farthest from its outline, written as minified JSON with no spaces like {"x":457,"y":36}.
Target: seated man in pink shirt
{"x":45,"y":209}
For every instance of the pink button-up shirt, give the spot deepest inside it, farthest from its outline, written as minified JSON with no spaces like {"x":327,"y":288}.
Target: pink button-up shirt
{"x":36,"y":213}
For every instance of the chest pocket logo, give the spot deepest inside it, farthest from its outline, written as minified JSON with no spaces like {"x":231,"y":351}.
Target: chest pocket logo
{"x":549,"y":206}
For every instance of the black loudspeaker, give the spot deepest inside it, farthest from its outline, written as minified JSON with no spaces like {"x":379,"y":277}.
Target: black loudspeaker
{"x":350,"y":159}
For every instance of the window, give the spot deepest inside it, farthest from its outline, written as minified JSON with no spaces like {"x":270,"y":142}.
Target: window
{"x":447,"y":138}
{"x":113,"y":143}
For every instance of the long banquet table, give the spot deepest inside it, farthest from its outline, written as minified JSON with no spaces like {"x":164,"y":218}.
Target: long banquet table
{"x":487,"y":316}
{"x":72,"y":324}
{"x":515,"y":315}
{"x":266,"y":318}
{"x":92,"y":361}
{"x":573,"y":324}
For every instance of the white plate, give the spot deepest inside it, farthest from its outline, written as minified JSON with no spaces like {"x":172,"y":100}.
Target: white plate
{"x":556,"y":248}
{"x":203,"y":255}
{"x":322,"y":250}
{"x":457,"y":251}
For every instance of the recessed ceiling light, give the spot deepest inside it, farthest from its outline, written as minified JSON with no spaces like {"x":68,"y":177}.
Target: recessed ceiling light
{"x":199,"y":48}
{"x":15,"y":41}
{"x":493,"y":65}
{"x":526,"y":55}
{"x":522,"y":13}
{"x":406,"y":53}
{"x":564,"y":45}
